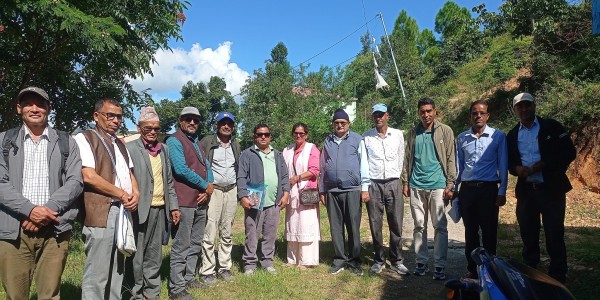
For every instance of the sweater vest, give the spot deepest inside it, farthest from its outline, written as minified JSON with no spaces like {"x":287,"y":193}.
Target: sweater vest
{"x":342,"y":164}
{"x":186,"y":194}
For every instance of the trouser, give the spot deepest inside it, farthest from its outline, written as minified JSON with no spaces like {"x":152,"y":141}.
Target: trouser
{"x":255,"y":223}
{"x":186,"y":247}
{"x":478,"y":210}
{"x":104,"y":265}
{"x":148,"y":257}
{"x":40,"y":255}
{"x":221,"y":212}
{"x":386,"y":194}
{"x":345,"y":209}
{"x":424,"y":204}
{"x":531,"y":203}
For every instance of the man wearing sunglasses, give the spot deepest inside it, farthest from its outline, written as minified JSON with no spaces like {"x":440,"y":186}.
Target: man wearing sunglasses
{"x":109,"y":183}
{"x":223,"y":153}
{"x":193,"y":179}
{"x":157,"y":203}
{"x":344,"y":183}
{"x":262,"y":168}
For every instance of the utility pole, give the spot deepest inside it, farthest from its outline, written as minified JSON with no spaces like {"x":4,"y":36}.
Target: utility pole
{"x":380,"y":15}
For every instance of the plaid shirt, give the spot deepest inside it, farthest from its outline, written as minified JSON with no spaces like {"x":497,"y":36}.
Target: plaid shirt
{"x":35,"y":173}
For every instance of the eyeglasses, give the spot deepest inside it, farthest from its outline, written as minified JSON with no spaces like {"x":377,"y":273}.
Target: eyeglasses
{"x":299,"y":133}
{"x":478,"y":113}
{"x":262,"y":134}
{"x":149,"y":129}
{"x":340,"y":123}
{"x":189,"y":119}
{"x":111,"y":116}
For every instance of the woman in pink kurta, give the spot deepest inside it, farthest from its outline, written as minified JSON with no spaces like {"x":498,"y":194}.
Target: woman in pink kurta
{"x":302,"y":228}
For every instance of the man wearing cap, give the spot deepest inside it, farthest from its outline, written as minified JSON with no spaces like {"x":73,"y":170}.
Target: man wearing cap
{"x":108,"y":183}
{"x":428,"y":176}
{"x":385,"y":154}
{"x":539,"y":153}
{"x":483,"y":176}
{"x":223,"y":152}
{"x":262,"y":168}
{"x":344,"y":182}
{"x":157,"y":205}
{"x":193,"y":185}
{"x":37,"y":200}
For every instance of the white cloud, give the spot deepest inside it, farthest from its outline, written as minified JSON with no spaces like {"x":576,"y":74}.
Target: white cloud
{"x":174,"y":68}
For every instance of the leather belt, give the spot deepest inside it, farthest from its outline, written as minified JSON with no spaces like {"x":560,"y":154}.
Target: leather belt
{"x":226,"y":188}
{"x":479,"y":183}
{"x":534,"y":185}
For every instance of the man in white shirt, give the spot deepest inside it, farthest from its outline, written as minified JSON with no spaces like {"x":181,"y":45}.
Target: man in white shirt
{"x":385,"y":154}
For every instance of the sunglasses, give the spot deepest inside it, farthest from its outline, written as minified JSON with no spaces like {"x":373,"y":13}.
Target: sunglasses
{"x":190,"y":119}
{"x":150,"y":129}
{"x":111,"y":116}
{"x":478,"y":113}
{"x":299,"y":134}
{"x":262,"y":134}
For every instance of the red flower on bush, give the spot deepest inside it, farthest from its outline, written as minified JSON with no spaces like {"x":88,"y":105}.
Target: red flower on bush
{"x":180,"y":18}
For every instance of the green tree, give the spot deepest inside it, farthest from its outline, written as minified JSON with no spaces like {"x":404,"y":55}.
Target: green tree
{"x":80,"y":51}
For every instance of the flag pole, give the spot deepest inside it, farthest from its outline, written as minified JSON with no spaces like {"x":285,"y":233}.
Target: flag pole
{"x":380,"y":15}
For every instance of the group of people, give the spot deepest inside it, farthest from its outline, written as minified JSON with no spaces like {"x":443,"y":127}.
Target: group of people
{"x":188,"y":188}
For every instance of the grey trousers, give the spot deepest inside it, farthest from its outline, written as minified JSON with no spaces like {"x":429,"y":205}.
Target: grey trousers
{"x":104,"y":265}
{"x":187,"y":244}
{"x":255,"y":223}
{"x":345,"y":209}
{"x":386,"y":195}
{"x":148,"y":258}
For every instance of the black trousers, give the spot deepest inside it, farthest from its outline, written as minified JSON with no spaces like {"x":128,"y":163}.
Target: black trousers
{"x":344,"y":209}
{"x":478,"y":210}
{"x":533,"y":202}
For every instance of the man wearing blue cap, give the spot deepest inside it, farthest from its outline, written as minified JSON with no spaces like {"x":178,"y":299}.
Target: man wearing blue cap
{"x":223,"y":153}
{"x":385,"y":154}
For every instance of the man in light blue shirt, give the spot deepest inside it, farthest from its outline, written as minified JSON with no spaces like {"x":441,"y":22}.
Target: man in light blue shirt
{"x":482,"y":174}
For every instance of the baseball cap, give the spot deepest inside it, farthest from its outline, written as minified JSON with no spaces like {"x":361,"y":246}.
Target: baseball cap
{"x":33,"y":90}
{"x":379,"y":107}
{"x":522,"y":97}
{"x":189,"y":110}
{"x":222,"y":115}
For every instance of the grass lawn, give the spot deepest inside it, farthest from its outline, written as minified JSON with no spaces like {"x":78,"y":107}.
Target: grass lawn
{"x":582,"y":238}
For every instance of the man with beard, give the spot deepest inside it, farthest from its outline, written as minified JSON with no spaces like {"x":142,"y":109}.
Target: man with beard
{"x":193,"y":185}
{"x":108,"y":184}
{"x":223,"y":154}
{"x":540,"y":151}
{"x":157,"y":203}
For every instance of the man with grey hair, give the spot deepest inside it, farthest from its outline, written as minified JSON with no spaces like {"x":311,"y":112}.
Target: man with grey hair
{"x":540,"y":151}
{"x":40,"y":181}
{"x":157,"y":203}
{"x":193,"y":184}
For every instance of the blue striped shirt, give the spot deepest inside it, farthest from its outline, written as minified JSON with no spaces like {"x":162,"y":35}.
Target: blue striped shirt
{"x":484,"y":158}
{"x":530,"y":149}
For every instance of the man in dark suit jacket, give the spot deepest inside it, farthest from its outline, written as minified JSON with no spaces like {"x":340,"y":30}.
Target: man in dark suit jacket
{"x":157,"y":203}
{"x":539,"y":153}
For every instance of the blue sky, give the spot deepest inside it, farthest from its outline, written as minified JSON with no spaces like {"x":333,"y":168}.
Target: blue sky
{"x":231,"y":39}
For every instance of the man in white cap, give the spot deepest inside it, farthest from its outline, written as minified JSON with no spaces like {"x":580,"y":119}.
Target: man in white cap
{"x":157,"y":203}
{"x":540,"y":151}
{"x":39,"y":188}
{"x":223,"y":154}
{"x":193,"y":185}
{"x":385,"y":154}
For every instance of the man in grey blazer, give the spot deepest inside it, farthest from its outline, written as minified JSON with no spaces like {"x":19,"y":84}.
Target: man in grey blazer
{"x":157,"y":203}
{"x":40,"y":182}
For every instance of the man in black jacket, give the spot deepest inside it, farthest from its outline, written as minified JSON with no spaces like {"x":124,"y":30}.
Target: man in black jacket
{"x":539,"y":153}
